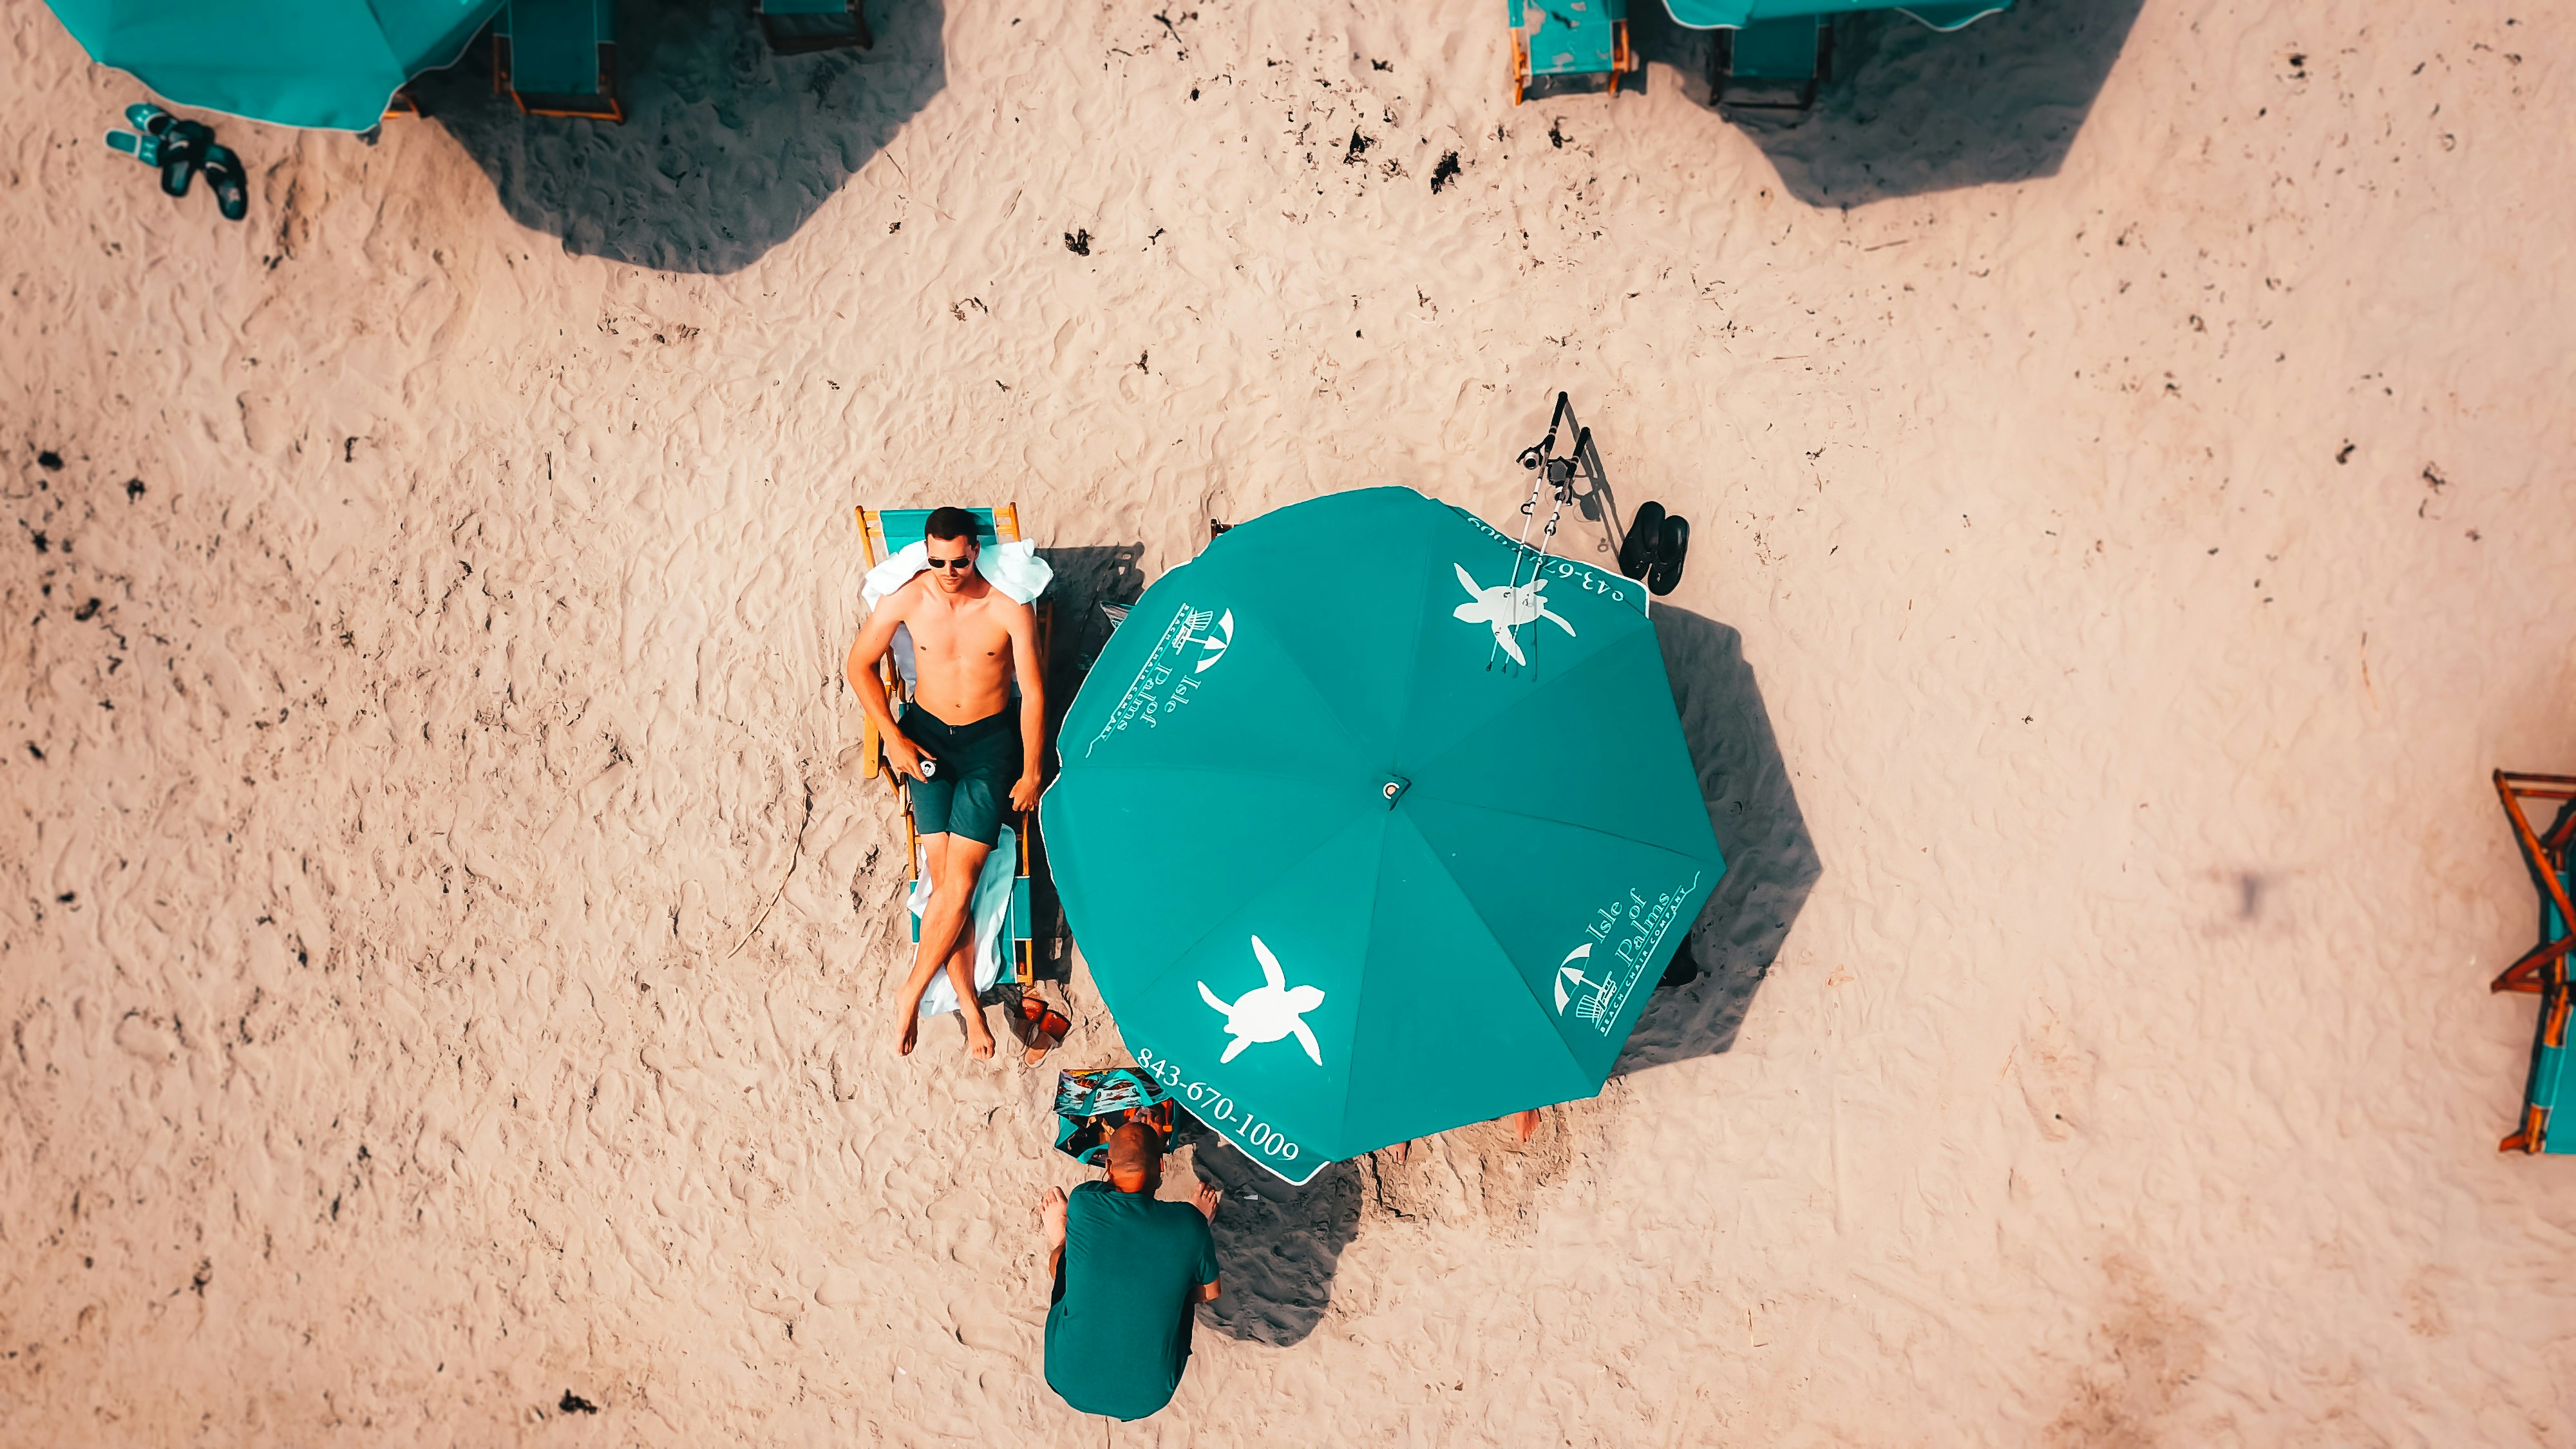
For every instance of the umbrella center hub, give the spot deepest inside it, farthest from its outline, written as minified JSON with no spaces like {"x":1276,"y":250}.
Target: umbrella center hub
{"x":1394,"y":789}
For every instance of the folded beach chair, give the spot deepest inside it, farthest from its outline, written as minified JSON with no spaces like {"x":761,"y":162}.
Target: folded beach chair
{"x":2543,"y":969}
{"x":796,"y":27}
{"x":558,"y":57}
{"x":1771,"y":54}
{"x":883,"y":534}
{"x":1771,"y":65}
{"x":1562,"y":44}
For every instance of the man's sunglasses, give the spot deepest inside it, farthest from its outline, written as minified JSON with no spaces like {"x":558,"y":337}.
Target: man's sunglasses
{"x":961,"y":562}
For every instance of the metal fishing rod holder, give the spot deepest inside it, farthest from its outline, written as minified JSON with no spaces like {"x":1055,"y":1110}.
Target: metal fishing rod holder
{"x":1574,"y":477}
{"x":1651,"y":548}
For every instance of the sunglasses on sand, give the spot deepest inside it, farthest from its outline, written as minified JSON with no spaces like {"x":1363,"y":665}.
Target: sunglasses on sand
{"x":962,"y":561}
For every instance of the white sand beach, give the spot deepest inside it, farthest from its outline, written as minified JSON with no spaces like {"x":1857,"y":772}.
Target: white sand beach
{"x":445,"y":939}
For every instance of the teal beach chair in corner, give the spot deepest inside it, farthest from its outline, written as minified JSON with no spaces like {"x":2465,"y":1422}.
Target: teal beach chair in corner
{"x":2543,"y":969}
{"x":1772,"y":54}
{"x":1562,"y":44}
{"x":558,"y":58}
{"x":800,"y":27}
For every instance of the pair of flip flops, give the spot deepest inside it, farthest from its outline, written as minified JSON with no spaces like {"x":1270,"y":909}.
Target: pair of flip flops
{"x":1040,"y":1027}
{"x":1656,"y":546}
{"x":181,"y":149}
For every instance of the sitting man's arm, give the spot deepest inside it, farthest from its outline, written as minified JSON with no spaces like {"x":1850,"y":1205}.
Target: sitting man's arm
{"x":1032,"y":672}
{"x":1206,"y":1199}
{"x":861,"y":668}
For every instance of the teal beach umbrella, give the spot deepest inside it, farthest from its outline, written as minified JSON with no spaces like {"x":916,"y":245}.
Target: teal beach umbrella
{"x":1373,"y":823}
{"x":330,"y":64}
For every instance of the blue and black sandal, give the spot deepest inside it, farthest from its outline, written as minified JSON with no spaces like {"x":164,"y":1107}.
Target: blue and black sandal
{"x":183,"y":150}
{"x":224,"y":177}
{"x":146,"y":149}
{"x":143,"y":143}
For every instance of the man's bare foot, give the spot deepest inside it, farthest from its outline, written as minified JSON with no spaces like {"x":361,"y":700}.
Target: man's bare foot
{"x":911,"y":1033}
{"x":1207,"y":1198}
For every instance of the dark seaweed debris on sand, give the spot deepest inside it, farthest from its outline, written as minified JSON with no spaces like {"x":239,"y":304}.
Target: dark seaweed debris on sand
{"x":1444,"y":173}
{"x":575,"y":1404}
{"x":1078,"y":242}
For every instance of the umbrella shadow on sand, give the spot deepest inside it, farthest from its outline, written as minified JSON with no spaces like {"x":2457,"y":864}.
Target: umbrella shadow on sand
{"x":727,"y":148}
{"x":1771,"y":862}
{"x":1280,"y":1245}
{"x":1908,"y":110}
{"x":1277,"y":1246}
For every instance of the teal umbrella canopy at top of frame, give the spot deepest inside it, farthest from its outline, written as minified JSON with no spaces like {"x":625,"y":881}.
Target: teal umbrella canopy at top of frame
{"x":1736,"y":14}
{"x":1373,"y":822}
{"x":320,"y":64}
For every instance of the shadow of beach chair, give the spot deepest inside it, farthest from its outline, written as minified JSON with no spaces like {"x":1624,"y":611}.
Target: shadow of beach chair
{"x":800,"y":27}
{"x":1563,"y":45}
{"x":883,"y":534}
{"x":2543,"y":969}
{"x":558,"y":58}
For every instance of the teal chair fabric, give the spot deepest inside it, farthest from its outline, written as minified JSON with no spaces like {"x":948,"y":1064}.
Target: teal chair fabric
{"x":322,"y":64}
{"x":1570,"y":37}
{"x":905,"y":527}
{"x":1738,"y":14}
{"x":2551,"y":1087}
{"x":554,"y":45}
{"x":1781,"y":50}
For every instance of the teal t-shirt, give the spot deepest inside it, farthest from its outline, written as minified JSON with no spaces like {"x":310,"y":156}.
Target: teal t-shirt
{"x":1118,"y":1334}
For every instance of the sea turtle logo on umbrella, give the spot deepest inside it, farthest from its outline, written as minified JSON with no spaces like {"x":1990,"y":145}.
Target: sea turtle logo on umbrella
{"x":1268,"y":1012}
{"x":1506,"y":607}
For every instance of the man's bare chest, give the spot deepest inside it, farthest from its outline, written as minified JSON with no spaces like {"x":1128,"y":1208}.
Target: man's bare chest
{"x":972,"y":633}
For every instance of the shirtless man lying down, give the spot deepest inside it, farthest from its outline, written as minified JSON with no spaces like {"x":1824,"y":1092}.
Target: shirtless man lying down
{"x":968,"y":748}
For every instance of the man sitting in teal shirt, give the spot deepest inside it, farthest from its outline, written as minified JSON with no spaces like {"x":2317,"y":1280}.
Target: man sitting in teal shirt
{"x":1129,"y":1270}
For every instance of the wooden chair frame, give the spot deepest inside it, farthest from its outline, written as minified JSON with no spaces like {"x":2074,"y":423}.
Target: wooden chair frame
{"x":2543,"y":969}
{"x":2545,"y":965}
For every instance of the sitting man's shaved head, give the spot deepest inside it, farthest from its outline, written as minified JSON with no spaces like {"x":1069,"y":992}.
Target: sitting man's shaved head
{"x":1135,"y":1151}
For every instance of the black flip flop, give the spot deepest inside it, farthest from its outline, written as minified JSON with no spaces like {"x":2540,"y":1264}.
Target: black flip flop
{"x":1645,"y":532}
{"x":183,"y":150}
{"x":1672,"y":547}
{"x":224,"y":178}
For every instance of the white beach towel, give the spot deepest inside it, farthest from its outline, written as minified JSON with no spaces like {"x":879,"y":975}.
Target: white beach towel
{"x":992,"y":916}
{"x":1014,"y":568}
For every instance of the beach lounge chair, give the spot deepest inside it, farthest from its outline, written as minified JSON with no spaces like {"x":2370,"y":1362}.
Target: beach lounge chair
{"x":798,"y":27}
{"x":1562,"y":44}
{"x":2543,"y":969}
{"x":558,"y":58}
{"x":883,"y":534}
